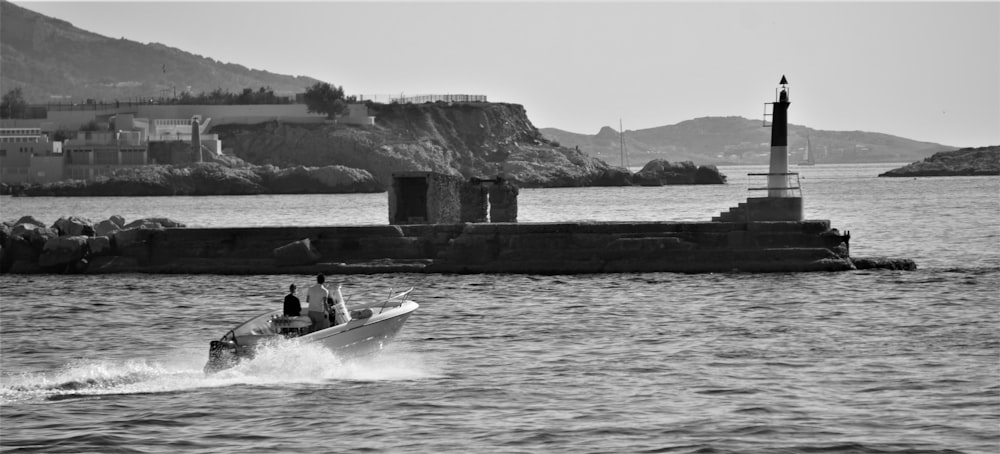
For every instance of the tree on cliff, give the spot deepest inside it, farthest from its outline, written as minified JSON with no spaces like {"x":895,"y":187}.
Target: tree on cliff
{"x":325,"y":98}
{"x":13,"y":104}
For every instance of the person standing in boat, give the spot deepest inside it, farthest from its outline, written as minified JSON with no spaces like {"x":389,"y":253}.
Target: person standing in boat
{"x":293,"y":307}
{"x":319,"y":310}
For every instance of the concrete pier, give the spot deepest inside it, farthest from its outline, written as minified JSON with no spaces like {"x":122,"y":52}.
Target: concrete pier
{"x":534,"y":248}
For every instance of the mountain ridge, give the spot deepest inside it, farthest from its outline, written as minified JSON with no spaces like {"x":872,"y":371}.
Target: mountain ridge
{"x":738,"y":140}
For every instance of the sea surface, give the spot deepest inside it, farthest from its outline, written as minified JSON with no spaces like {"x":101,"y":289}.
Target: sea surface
{"x":850,"y":362}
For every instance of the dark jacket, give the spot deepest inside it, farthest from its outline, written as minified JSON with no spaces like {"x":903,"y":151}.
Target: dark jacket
{"x":292,"y":305}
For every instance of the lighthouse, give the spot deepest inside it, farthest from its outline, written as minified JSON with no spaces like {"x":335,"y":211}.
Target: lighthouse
{"x":777,"y":179}
{"x":783,"y":201}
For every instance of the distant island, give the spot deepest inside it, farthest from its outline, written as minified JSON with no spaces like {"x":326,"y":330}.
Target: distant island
{"x":961,"y":162}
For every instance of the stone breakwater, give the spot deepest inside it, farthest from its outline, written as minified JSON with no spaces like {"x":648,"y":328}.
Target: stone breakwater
{"x":68,"y":245}
{"x":536,"y":248}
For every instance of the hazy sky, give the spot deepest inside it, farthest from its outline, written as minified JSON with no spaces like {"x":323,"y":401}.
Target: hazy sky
{"x":925,"y":71}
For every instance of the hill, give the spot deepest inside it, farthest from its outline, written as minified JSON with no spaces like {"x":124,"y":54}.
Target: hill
{"x":963,"y":162}
{"x":738,"y":140}
{"x":53,"y":61}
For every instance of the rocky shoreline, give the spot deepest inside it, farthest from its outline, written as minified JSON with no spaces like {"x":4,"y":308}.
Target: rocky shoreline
{"x":27,"y":246}
{"x":207,"y":179}
{"x":980,"y":161}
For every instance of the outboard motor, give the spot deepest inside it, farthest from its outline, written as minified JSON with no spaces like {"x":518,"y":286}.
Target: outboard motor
{"x":221,"y":356}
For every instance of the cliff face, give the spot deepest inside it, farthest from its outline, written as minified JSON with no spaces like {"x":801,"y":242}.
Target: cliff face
{"x":462,"y":139}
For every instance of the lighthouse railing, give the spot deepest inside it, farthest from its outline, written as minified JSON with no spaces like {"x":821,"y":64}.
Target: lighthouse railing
{"x":791,"y":183}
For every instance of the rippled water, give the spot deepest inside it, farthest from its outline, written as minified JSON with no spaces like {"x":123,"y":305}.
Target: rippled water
{"x":856,"y":362}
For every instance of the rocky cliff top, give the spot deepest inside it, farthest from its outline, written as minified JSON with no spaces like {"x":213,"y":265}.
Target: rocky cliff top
{"x":462,"y":139}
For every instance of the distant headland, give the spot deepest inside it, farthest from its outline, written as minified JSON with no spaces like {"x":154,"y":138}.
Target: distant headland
{"x":464,"y":139}
{"x":962,"y":162}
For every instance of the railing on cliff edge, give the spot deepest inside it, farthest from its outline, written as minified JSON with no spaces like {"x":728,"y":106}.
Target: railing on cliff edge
{"x":418,"y":99}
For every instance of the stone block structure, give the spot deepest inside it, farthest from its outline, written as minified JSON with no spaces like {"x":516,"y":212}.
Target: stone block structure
{"x":503,"y":201}
{"x":435,"y":198}
{"x":425,"y":198}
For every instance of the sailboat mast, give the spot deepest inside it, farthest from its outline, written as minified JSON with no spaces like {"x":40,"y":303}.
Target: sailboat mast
{"x":621,"y":145}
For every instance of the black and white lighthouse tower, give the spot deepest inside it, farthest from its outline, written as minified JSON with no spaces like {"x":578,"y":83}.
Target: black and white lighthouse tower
{"x":783,"y":201}
{"x":777,"y":180}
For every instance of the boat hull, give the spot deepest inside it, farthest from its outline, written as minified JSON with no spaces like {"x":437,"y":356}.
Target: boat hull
{"x":358,"y":337}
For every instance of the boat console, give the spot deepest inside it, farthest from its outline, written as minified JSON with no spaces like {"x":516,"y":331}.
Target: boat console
{"x":291,"y":326}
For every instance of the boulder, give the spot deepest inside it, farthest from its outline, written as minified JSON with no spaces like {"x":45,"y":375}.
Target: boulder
{"x":19,"y":249}
{"x":29,"y":220}
{"x":143,"y":224}
{"x":34,"y":234}
{"x":118,"y":220}
{"x":74,"y":226}
{"x":63,"y":251}
{"x":297,"y":253}
{"x":155,"y":223}
{"x":4,"y":233}
{"x":106,"y":227}
{"x":99,"y":245}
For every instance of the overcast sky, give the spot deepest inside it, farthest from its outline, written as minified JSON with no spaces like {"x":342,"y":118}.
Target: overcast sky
{"x":924,"y":71}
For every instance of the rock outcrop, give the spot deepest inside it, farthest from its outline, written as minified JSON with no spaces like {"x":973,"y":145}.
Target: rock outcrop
{"x":214,"y":179}
{"x":462,"y":139}
{"x":296,"y":253}
{"x":962,"y":162}
{"x":320,"y":180}
{"x":883,"y":263}
{"x":659,"y":172}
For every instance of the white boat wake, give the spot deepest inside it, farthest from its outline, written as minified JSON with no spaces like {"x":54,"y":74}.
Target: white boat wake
{"x":282,"y":363}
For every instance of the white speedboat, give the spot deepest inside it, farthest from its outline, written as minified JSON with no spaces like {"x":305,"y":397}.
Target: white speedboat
{"x":371,"y":326}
